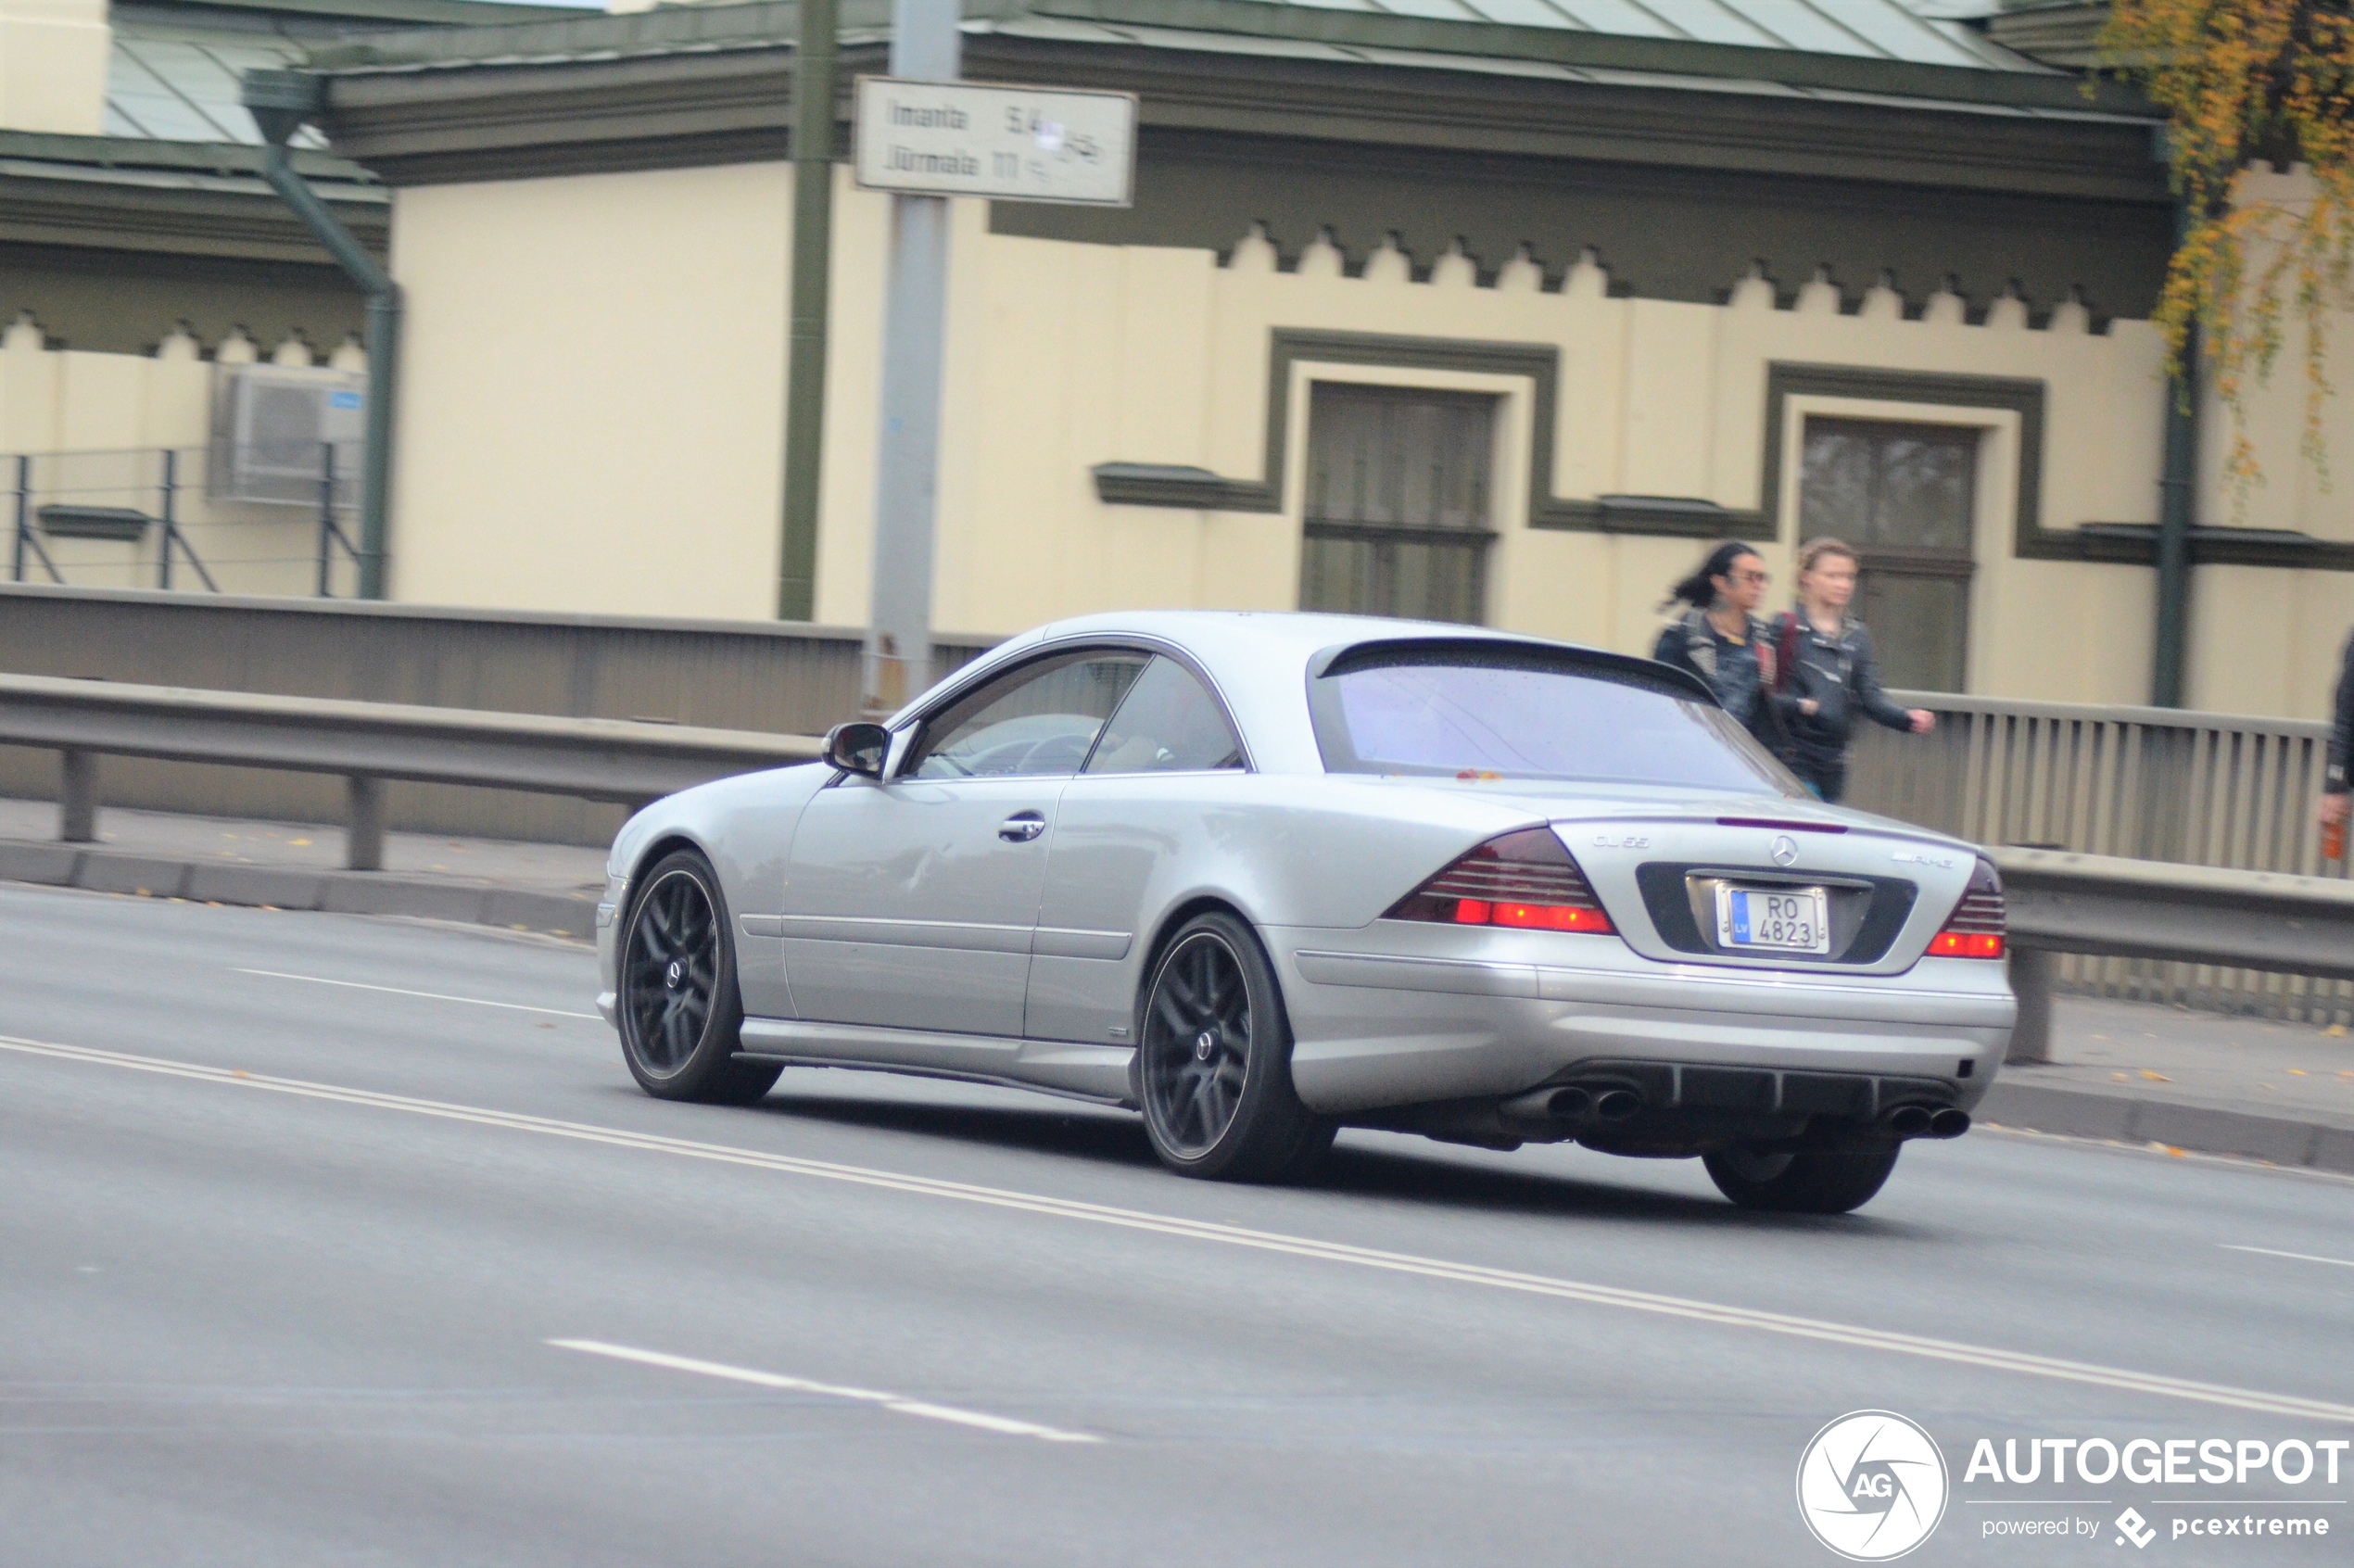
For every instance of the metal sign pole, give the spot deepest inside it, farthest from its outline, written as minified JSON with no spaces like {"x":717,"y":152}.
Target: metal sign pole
{"x":925,"y":44}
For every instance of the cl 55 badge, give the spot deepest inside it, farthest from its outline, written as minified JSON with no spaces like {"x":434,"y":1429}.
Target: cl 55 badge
{"x":1620,"y":841}
{"x":1941,"y":861}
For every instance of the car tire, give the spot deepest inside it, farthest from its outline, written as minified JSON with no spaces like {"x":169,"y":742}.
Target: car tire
{"x":1802,"y":1180}
{"x":1214,"y":1061}
{"x":679,"y":1010}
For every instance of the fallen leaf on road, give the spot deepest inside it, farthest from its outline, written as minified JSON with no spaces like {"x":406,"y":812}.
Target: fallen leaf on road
{"x":2296,"y":1073}
{"x":2334,"y":1031}
{"x":2155,"y":1076}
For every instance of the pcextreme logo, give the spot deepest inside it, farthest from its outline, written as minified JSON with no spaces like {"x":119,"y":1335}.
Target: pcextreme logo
{"x":1871,"y":1485}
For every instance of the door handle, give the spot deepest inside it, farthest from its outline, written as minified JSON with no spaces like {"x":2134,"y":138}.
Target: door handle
{"x":1021,"y":827}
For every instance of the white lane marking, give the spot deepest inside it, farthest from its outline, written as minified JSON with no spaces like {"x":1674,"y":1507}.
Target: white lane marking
{"x":2301,"y":1256}
{"x":1850,"y":1335}
{"x":428,"y":995}
{"x":898,"y":1403}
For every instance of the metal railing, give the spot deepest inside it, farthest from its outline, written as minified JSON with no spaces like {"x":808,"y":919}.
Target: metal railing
{"x":261,"y":519}
{"x":2149,"y":784}
{"x":768,"y":676}
{"x":615,"y":760}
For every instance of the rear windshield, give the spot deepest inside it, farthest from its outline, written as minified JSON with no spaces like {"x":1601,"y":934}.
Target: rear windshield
{"x":1449,"y":709}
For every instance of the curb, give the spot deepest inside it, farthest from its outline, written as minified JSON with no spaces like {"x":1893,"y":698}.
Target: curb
{"x":2089,"y":1113}
{"x":339,"y":892}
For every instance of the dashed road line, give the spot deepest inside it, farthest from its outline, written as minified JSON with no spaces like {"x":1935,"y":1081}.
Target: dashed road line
{"x":428,"y":995}
{"x":2301,"y":1256}
{"x":898,"y":1403}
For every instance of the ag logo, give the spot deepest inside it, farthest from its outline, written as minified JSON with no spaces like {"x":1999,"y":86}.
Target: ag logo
{"x":1871,"y":1485}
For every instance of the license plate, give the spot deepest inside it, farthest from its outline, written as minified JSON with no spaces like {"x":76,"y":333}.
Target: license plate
{"x":1779,"y":919}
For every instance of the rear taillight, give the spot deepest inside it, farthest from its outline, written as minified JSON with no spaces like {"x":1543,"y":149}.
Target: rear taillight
{"x":1975,"y":929}
{"x":1524,"y":880}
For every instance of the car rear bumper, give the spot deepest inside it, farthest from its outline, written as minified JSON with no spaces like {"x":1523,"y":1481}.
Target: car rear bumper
{"x":1375,"y":1029}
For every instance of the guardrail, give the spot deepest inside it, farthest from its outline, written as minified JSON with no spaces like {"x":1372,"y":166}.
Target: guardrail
{"x":2107,"y":906}
{"x":2060,"y":903}
{"x":624,"y":761}
{"x":768,"y":676}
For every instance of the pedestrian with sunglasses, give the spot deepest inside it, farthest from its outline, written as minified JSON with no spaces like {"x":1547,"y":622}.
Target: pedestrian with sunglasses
{"x":1716,"y":636}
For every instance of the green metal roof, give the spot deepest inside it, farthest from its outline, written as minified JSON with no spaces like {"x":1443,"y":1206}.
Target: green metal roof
{"x":1890,"y":51}
{"x":174,"y":75}
{"x":1920,"y":32}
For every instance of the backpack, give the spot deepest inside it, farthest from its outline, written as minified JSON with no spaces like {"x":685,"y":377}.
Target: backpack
{"x":1785,"y":648}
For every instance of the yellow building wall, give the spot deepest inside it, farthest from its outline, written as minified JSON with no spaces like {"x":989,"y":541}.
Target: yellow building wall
{"x":52,"y":66}
{"x":591,"y":392}
{"x":591,"y":419}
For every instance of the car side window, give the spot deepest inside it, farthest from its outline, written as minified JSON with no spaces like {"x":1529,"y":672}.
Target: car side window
{"x":1167,"y":724}
{"x":1039,"y":720}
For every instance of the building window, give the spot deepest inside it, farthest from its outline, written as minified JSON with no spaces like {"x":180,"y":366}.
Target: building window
{"x":1398,"y":504}
{"x":1906,"y":497}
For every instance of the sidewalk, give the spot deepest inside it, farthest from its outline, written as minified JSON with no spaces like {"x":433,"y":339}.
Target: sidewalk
{"x":2128,"y":1071}
{"x":2139,"y":1073}
{"x":551,"y":888}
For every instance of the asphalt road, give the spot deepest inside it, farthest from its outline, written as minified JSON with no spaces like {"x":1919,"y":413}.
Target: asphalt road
{"x":284,"y":1266}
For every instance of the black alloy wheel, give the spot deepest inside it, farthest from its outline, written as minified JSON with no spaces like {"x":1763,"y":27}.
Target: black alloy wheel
{"x":679,"y":1010}
{"x":1214,"y":1060}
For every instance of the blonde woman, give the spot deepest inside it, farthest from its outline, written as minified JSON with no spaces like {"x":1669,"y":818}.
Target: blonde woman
{"x":1829,"y":672}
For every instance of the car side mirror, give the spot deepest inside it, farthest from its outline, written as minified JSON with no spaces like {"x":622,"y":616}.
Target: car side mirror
{"x":861,"y":749}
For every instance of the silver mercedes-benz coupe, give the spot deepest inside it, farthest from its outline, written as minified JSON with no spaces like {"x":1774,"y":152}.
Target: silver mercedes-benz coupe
{"x":1262,"y":876}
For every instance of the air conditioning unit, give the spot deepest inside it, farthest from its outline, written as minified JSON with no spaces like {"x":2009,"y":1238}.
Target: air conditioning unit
{"x":271,"y":425}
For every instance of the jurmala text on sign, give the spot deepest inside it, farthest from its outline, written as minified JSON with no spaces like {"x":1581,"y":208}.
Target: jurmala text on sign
{"x":1010,"y":144}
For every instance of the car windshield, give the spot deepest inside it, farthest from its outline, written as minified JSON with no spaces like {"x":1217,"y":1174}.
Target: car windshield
{"x":1456,"y":711}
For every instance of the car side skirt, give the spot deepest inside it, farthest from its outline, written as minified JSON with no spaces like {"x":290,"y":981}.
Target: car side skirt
{"x":1058,"y":1066}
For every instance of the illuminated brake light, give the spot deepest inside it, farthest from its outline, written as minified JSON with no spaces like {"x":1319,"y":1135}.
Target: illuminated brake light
{"x":1552,"y":917}
{"x":1524,"y":880}
{"x":1980,"y":923}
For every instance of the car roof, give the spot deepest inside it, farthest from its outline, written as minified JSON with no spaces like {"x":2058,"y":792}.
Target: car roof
{"x":1256,"y":659}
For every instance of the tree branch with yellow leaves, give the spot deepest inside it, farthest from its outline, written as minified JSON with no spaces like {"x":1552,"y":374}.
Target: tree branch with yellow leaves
{"x":2243,"y":81}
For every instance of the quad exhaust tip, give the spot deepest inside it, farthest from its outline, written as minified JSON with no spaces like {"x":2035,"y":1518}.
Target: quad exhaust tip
{"x":1922,"y":1122}
{"x":1616,"y":1104}
{"x":1908,"y":1121}
{"x":1571,"y":1104}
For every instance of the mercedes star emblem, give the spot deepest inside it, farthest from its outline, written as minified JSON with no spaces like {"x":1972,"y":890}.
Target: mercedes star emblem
{"x":1785,"y":850}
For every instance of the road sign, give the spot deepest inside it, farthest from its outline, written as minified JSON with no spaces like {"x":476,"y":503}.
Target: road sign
{"x":1009,"y":143}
